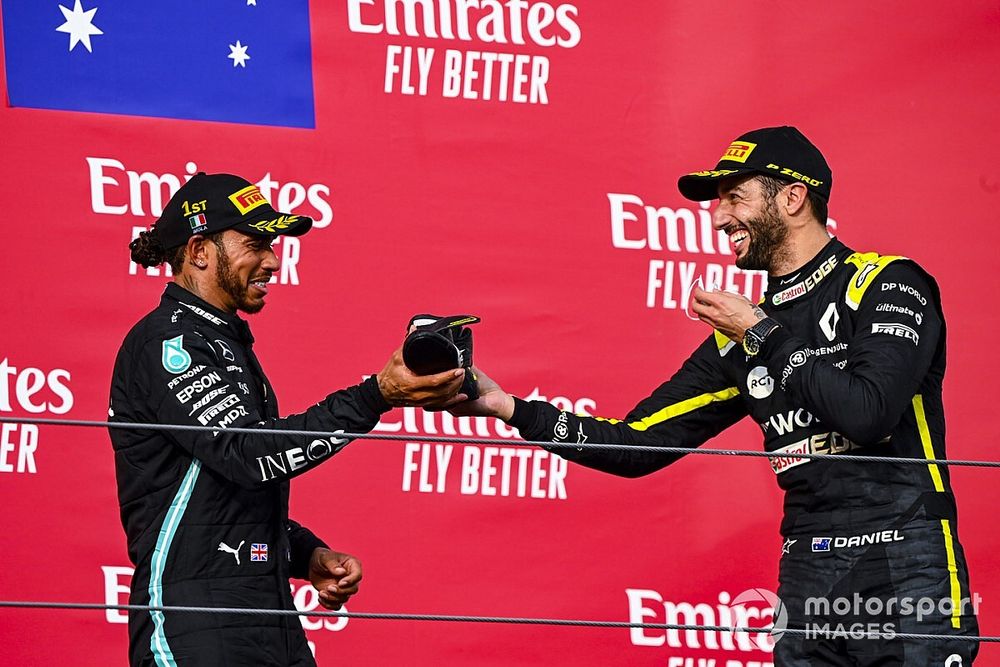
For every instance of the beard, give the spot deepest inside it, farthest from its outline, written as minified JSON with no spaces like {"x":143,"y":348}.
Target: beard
{"x":767,"y":236}
{"x":237,"y":289}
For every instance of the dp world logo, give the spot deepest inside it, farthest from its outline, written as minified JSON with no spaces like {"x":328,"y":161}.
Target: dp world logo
{"x":748,"y":604}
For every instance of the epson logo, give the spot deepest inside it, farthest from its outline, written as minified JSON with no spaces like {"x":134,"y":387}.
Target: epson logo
{"x":198,"y":386}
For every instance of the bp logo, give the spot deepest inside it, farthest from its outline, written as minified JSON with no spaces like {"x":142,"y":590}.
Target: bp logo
{"x":175,"y":358}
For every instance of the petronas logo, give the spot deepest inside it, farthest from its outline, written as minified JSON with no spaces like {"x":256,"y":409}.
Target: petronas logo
{"x":175,"y":358}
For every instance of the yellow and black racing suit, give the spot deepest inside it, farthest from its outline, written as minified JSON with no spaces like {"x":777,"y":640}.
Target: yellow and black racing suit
{"x":856,"y":367}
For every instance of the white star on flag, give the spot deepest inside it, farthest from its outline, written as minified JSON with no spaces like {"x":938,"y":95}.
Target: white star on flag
{"x":79,"y":24}
{"x":238,"y":52}
{"x":251,"y":2}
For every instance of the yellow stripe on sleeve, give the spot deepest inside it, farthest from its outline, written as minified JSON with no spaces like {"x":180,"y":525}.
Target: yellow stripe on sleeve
{"x":925,"y":440}
{"x":956,"y":588}
{"x":949,"y":541}
{"x":684,"y":407}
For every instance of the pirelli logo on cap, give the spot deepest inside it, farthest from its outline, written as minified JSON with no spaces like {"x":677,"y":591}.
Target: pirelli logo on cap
{"x":247,"y":199}
{"x":738,"y":151}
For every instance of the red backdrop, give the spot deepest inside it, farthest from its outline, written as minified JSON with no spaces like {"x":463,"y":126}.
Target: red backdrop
{"x":556,"y":218}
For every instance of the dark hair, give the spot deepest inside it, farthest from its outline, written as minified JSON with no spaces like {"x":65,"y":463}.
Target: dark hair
{"x":148,"y":251}
{"x":772,"y":186}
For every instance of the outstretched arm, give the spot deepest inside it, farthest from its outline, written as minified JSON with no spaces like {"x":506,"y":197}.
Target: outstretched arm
{"x":693,"y":406}
{"x":208,"y":395}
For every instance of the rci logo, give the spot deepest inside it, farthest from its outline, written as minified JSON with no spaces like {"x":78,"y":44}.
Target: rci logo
{"x":759,"y":383}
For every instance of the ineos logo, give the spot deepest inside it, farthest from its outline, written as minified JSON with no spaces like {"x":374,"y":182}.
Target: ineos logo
{"x":318,"y":449}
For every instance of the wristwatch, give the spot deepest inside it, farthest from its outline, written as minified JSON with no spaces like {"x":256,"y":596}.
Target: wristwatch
{"x":754,"y":337}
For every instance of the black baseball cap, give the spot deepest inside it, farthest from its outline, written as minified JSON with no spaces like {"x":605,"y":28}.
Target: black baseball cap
{"x":211,"y":203}
{"x":781,"y":152}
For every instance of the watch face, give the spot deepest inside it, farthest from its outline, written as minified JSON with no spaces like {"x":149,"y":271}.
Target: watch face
{"x":751,"y":344}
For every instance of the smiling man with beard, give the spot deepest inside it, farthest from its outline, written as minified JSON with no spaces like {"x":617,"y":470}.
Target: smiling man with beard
{"x":206,"y":512}
{"x":845,"y":354}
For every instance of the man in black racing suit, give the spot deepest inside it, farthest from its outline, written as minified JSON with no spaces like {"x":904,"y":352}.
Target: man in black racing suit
{"x":206,"y":512}
{"x":846,"y":354}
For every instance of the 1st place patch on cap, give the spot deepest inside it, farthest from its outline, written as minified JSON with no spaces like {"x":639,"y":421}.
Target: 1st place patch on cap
{"x":738,"y":151}
{"x":175,"y":358}
{"x":247,"y":199}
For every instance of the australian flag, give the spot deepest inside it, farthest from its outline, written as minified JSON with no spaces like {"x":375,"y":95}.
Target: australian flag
{"x":821,"y":543}
{"x":238,"y":61}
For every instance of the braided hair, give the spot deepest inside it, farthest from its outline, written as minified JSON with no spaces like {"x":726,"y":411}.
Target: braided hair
{"x":147,"y":250}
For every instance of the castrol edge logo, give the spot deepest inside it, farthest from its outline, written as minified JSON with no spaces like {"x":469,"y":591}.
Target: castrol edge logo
{"x":804,"y":286}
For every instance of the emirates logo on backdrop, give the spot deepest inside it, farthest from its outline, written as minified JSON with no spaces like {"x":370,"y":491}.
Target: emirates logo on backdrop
{"x":500,"y":73}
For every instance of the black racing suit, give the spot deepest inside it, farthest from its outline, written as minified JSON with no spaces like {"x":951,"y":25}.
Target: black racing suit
{"x":206,"y":513}
{"x":856,"y":367}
